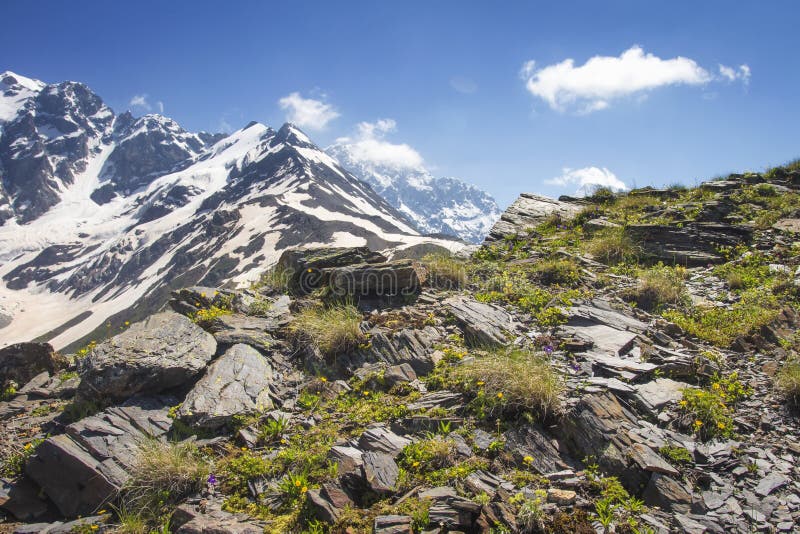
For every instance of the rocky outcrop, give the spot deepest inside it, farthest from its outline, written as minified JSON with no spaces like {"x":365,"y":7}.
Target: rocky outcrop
{"x":390,"y":279}
{"x":306,"y":269}
{"x":235,"y":384}
{"x":84,"y":468}
{"x":528,"y":212}
{"x":163,"y":352}
{"x":22,"y":361}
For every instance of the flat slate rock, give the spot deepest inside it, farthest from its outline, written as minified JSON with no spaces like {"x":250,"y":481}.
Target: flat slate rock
{"x":658,"y":393}
{"x":237,"y":383}
{"x":234,"y":328}
{"x":164,"y":351}
{"x":84,"y":468}
{"x":483,"y":324}
{"x":392,"y":524}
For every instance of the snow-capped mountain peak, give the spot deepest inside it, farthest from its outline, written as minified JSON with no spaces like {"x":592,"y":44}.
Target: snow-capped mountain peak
{"x":102,"y":214}
{"x":435,"y":205}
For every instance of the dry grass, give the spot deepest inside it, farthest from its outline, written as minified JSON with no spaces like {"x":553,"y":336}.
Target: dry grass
{"x":521,"y":380}
{"x":445,"y":271}
{"x":333,"y":329}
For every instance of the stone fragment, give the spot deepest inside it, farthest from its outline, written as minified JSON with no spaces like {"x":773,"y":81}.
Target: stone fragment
{"x":770,"y":483}
{"x":380,"y":472}
{"x":392,"y":524}
{"x":381,"y":439}
{"x":209,"y":518}
{"x":23,"y":361}
{"x":668,"y":494}
{"x":561,"y":497}
{"x":528,"y":212}
{"x":398,"y":374}
{"x":328,"y":502}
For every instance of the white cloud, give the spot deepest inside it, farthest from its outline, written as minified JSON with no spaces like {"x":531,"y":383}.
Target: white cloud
{"x":369,"y":146}
{"x":588,"y":179}
{"x":160,"y":105}
{"x":742,"y":72}
{"x":463,"y":85}
{"x":602,"y":79}
{"x":307,"y":112}
{"x":140,"y":101}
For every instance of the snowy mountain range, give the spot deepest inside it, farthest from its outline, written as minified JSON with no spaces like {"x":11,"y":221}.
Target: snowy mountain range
{"x":101,"y":215}
{"x":435,"y":205}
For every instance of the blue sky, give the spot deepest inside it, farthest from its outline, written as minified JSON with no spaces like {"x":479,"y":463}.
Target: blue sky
{"x":449,"y":75}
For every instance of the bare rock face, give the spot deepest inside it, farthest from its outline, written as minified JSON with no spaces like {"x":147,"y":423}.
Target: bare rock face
{"x":527,"y":212}
{"x":237,"y":383}
{"x":84,"y":468}
{"x":165,"y":351}
{"x":691,"y":244}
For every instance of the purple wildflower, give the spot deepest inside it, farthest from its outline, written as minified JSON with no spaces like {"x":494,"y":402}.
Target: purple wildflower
{"x":212,"y":480}
{"x":548,"y":349}
{"x":575,"y":367}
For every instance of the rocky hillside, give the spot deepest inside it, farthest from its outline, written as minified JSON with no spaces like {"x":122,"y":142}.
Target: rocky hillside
{"x":101,"y":215}
{"x":622,"y":363}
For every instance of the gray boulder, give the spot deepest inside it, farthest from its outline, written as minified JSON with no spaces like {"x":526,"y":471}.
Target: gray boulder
{"x":236,"y":383}
{"x":400,"y":277}
{"x":303,"y":267}
{"x":165,"y":351}
{"x":691,"y":245}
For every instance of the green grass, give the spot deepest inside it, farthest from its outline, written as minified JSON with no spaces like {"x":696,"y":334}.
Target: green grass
{"x":164,"y":473}
{"x":613,"y":246}
{"x":334,"y":329}
{"x":555,"y":271}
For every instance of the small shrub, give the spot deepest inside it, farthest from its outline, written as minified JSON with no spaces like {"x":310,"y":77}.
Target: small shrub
{"x":259,"y":307}
{"x":712,"y":407}
{"x":294,"y":487}
{"x":788,"y":380}
{"x":205,"y":317}
{"x":676,"y":455}
{"x":721,"y":326}
{"x":333,"y":329}
{"x":428,"y":455}
{"x":445,"y":271}
{"x":275,"y":279}
{"x":14,"y":455}
{"x":273,"y":429}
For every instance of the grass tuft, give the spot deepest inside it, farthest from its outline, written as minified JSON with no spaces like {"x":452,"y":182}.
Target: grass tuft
{"x":511,"y":381}
{"x":613,"y":246}
{"x":334,"y":329}
{"x":660,"y":287}
{"x":164,"y":474}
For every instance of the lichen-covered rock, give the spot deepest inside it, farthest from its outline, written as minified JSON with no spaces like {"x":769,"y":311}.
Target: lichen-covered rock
{"x":303,"y":267}
{"x":236,"y":383}
{"x":165,"y":351}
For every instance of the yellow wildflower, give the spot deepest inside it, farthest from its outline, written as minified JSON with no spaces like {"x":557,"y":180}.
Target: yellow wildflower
{"x":683,"y":404}
{"x":323,"y":379}
{"x":481,"y":382}
{"x":715,"y":385}
{"x":27,"y":446}
{"x":528,"y":460}
{"x":244,"y":448}
{"x":721,"y":426}
{"x":305,"y":489}
{"x":297,"y":483}
{"x":698,"y":423}
{"x":415,"y":464}
{"x":500,"y":395}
